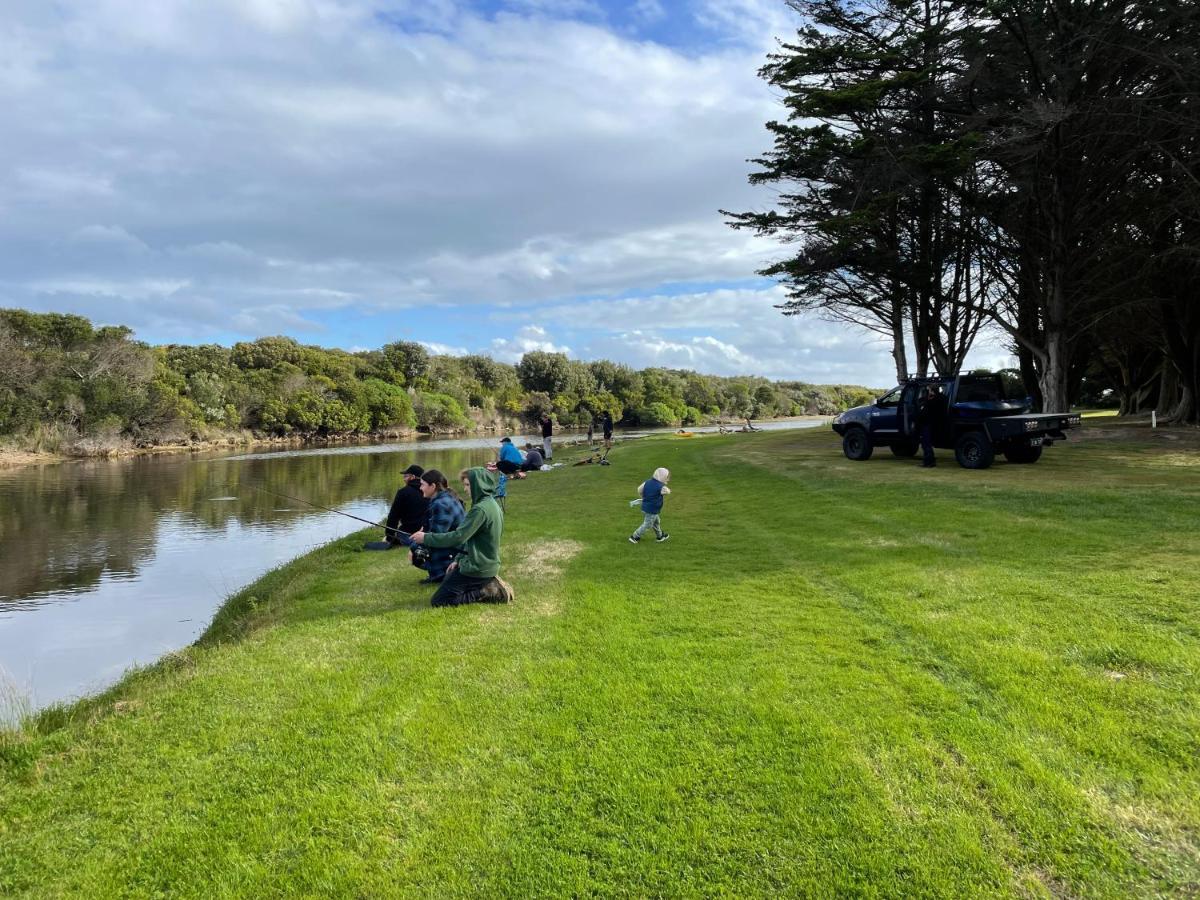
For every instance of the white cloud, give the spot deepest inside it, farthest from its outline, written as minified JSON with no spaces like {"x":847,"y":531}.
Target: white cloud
{"x":553,"y":155}
{"x":753,"y":22}
{"x":113,"y":238}
{"x":443,"y":349}
{"x":647,"y":12}
{"x":526,"y":340}
{"x":800,"y":349}
{"x":50,"y":184}
{"x":142,"y":289}
{"x":559,"y":8}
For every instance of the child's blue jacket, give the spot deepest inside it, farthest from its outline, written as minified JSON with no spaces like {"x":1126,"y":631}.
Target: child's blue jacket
{"x":652,"y":496}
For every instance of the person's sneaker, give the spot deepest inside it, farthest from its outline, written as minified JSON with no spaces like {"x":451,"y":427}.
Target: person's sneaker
{"x":633,"y":540}
{"x":496,"y":591}
{"x":662,"y":537}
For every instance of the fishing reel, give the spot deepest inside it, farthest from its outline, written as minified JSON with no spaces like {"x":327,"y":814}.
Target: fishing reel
{"x":420,"y":556}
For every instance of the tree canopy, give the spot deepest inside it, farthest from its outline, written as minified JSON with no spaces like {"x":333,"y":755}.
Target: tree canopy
{"x":67,"y":383}
{"x":1026,"y":164}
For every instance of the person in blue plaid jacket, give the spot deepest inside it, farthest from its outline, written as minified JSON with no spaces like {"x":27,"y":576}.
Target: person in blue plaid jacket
{"x":445,"y":514}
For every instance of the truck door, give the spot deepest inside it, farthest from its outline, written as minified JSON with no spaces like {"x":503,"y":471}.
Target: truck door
{"x":885,"y":416}
{"x":909,"y":399}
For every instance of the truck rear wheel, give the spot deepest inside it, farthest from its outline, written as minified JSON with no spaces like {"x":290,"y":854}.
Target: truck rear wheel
{"x":905,"y":449}
{"x":974,"y":451}
{"x":1024,"y":454}
{"x":856,"y":445}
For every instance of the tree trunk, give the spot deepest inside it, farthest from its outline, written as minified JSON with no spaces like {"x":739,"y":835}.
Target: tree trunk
{"x":1030,"y":375}
{"x":1055,"y":380}
{"x":1184,"y":412}
{"x":899,"y":353}
{"x":1183,"y":362}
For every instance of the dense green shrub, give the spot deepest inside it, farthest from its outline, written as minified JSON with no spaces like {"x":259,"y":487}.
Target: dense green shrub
{"x":657,"y":414}
{"x":439,"y":412}
{"x":63,"y":380}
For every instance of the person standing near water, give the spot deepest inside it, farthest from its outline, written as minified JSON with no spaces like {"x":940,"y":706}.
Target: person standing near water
{"x":547,"y":434}
{"x":608,"y":429}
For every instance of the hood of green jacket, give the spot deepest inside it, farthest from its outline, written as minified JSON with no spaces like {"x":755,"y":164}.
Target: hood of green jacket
{"x":483,"y":484}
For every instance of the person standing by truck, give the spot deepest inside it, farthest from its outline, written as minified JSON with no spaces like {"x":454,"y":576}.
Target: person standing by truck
{"x":931,"y":409}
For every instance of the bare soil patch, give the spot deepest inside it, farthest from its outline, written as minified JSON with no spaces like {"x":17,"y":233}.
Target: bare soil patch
{"x":546,"y":559}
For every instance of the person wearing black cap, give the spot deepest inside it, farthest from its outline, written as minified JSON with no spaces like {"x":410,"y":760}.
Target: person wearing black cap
{"x":407,"y":512}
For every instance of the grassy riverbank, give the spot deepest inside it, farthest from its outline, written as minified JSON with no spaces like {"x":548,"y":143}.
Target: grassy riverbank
{"x":835,"y":678}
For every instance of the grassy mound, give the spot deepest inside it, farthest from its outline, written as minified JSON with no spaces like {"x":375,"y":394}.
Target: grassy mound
{"x":835,"y":678}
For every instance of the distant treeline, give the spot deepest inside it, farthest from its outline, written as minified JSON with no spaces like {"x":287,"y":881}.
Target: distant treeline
{"x":68,"y":385}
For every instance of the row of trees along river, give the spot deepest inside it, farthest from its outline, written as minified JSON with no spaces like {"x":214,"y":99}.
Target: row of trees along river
{"x":1032,"y":165}
{"x":67,"y":386}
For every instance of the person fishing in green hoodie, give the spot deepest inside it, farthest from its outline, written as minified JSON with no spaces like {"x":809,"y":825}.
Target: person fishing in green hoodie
{"x":473,"y":577}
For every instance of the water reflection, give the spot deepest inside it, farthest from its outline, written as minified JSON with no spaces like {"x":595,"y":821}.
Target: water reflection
{"x":110,"y":563}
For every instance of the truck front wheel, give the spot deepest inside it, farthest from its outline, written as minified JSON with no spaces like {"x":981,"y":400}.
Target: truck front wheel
{"x":1024,"y":454}
{"x":856,"y":445}
{"x":974,"y":451}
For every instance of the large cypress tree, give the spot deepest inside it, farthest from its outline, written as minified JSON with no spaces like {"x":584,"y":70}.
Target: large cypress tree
{"x":873,"y":162}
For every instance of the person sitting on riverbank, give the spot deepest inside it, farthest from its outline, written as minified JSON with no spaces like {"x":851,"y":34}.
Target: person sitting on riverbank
{"x":446,"y":513}
{"x":407,"y":512}
{"x":533,"y":459}
{"x":474,"y":576}
{"x":510,"y":459}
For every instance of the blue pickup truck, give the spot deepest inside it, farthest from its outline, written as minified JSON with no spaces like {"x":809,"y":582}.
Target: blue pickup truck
{"x":975,"y":419}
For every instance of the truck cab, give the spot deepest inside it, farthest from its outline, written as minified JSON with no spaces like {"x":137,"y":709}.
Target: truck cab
{"x":973,"y":416}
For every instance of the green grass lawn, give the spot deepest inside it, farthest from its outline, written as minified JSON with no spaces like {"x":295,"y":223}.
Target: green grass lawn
{"x":836,"y":678}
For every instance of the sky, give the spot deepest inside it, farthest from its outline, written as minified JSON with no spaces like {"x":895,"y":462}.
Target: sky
{"x":491,"y":176}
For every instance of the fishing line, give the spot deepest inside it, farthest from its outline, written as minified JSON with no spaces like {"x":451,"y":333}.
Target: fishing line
{"x":330,"y":509}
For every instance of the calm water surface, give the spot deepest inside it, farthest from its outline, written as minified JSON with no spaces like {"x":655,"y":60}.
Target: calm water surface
{"x":109,"y":564}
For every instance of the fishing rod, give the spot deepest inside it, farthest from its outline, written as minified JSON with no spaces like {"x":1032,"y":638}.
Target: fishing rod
{"x":330,"y":509}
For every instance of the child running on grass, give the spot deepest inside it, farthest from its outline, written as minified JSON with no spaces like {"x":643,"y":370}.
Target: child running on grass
{"x":652,"y":491}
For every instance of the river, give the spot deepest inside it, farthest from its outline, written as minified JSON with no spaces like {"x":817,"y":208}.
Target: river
{"x":108,"y":564}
